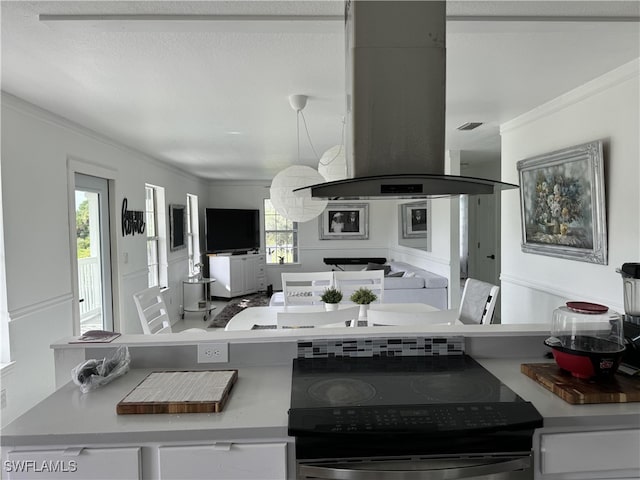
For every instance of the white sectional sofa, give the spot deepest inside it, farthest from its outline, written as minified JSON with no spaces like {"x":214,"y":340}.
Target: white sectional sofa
{"x":415,"y":285}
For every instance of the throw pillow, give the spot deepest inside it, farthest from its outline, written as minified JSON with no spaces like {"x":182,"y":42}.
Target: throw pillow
{"x":395,"y":274}
{"x":379,"y":266}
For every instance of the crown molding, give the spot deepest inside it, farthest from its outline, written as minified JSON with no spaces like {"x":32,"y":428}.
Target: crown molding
{"x":610,"y":79}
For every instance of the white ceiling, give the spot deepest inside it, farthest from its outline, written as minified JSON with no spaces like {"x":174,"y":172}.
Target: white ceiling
{"x":211,"y":97}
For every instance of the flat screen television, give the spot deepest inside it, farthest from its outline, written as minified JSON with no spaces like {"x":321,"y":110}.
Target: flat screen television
{"x":232,"y":230}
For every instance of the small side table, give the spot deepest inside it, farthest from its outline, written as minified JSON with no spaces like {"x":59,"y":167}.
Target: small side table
{"x":203,"y":304}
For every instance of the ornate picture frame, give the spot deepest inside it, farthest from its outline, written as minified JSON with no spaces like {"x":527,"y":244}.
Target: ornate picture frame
{"x":344,"y":221}
{"x":562,"y":203}
{"x":416,"y":219}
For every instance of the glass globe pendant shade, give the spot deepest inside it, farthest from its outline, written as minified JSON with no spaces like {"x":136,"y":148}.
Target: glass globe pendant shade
{"x":333,"y":164}
{"x":296,"y":206}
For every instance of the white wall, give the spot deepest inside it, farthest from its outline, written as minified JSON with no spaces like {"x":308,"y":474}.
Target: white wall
{"x":437,"y":259}
{"x":607,"y":109}
{"x":36,"y":148}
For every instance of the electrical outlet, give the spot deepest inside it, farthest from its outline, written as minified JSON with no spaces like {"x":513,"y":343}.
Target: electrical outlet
{"x":213,"y":352}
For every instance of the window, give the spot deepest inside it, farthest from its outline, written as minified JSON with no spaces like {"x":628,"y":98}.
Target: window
{"x":281,"y":236}
{"x":151,"y":228}
{"x":193,"y":239}
{"x":156,"y":228}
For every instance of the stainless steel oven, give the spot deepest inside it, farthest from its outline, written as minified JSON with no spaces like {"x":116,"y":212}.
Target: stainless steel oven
{"x":392,"y":418}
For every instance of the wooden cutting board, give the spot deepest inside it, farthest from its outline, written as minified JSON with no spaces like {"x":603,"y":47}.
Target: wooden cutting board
{"x":617,"y":389}
{"x":180,"y":392}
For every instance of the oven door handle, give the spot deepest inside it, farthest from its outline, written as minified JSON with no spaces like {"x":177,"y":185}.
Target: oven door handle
{"x":412,"y":471}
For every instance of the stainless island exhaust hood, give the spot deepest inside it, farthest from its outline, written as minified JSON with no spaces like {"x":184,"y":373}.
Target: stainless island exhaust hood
{"x":395,"y":120}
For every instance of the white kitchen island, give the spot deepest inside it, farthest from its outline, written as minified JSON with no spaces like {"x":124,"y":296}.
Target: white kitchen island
{"x":248,"y":439}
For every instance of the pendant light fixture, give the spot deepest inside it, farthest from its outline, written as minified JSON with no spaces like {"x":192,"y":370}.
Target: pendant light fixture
{"x":297,"y":206}
{"x":333,"y":164}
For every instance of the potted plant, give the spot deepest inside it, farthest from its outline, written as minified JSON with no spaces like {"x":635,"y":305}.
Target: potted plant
{"x":363,"y":297}
{"x":331,"y":298}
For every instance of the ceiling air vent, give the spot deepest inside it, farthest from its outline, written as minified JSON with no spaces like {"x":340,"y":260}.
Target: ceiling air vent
{"x":469,"y":126}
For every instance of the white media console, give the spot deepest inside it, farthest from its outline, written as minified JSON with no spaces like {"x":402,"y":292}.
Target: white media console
{"x":237,"y":274}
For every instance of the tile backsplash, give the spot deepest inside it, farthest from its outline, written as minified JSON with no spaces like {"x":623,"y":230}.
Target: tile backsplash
{"x":381,"y":347}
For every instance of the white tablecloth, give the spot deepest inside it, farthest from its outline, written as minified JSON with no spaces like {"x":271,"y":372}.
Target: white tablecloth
{"x":266,"y":317}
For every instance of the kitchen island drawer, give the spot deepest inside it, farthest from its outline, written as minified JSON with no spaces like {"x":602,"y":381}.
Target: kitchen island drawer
{"x":587,"y":454}
{"x":74,"y":462}
{"x":228,"y":460}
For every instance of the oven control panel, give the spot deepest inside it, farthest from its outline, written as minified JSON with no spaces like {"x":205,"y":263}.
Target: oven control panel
{"x":413,"y":418}
{"x":442,"y":417}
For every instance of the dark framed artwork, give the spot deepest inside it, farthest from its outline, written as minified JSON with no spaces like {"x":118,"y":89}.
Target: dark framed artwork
{"x":345,"y":221}
{"x":416,"y":219}
{"x":562,"y":202}
{"x":177,"y":226}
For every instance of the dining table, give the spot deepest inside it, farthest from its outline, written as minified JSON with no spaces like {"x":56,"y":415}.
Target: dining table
{"x":263,"y":318}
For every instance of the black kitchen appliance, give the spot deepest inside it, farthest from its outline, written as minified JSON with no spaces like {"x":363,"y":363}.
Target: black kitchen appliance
{"x":631,"y":319}
{"x":407,"y":417}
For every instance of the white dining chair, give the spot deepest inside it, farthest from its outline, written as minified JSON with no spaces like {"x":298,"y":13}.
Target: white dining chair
{"x":350,"y":281}
{"x":153,"y":313}
{"x":305,"y":288}
{"x":478,"y":302}
{"x":380,"y":318}
{"x":339,"y":318}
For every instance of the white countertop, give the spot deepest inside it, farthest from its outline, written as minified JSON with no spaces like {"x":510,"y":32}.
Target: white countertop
{"x":257,"y":408}
{"x":557,"y":412}
{"x":279,"y":335}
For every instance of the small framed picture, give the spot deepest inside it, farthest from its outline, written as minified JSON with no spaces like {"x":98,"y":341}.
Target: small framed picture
{"x":416,"y":218}
{"x":177,"y":226}
{"x":562,"y":202}
{"x":345,"y":221}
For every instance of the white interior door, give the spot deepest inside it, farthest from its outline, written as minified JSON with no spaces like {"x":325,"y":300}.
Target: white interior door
{"x":94,"y":253}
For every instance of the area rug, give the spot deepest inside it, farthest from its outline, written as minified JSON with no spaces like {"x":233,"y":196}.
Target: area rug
{"x":236,"y":305}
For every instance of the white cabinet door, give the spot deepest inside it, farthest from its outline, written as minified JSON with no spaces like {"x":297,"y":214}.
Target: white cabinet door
{"x":229,"y":461}
{"x":220,"y":269}
{"x":587,"y":454}
{"x":250,"y":274}
{"x":237,"y":276}
{"x":255,"y":273}
{"x":74,"y":463}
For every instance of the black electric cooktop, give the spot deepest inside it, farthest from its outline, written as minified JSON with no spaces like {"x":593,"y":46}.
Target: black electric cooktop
{"x":344,"y":382}
{"x":434,"y":396}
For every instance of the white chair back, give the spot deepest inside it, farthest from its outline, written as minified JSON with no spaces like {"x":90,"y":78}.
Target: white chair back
{"x":153,"y":313}
{"x":388,"y":317}
{"x":316,"y":319}
{"x":349,"y":282}
{"x":478,"y":302}
{"x":305,"y":288}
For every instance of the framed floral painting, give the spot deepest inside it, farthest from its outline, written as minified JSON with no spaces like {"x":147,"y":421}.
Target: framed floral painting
{"x":562,"y":202}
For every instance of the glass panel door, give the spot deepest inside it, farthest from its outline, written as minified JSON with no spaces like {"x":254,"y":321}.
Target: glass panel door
{"x":93,"y":249}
